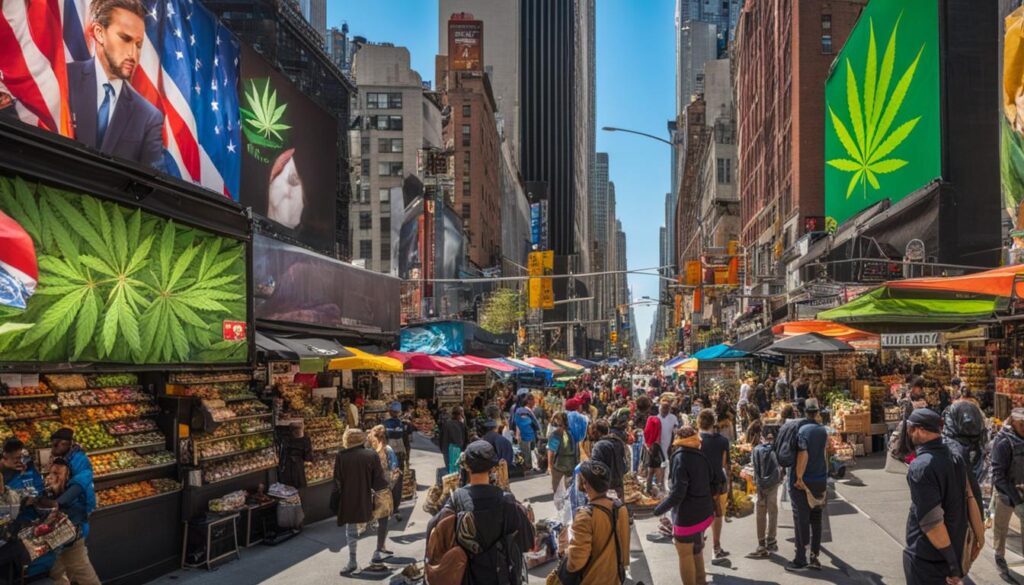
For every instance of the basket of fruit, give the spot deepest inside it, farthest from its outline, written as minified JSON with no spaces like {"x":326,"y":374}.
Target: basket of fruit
{"x":44,"y":537}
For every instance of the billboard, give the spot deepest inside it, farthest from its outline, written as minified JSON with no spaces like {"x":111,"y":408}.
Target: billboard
{"x":157,"y":85}
{"x":465,"y":45}
{"x":291,"y":155}
{"x":100,"y":282}
{"x":882,"y":126}
{"x":295,"y":285}
{"x":1011,"y":156}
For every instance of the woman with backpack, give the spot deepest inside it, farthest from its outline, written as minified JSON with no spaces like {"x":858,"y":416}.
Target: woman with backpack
{"x":599,"y":538}
{"x":692,"y":503}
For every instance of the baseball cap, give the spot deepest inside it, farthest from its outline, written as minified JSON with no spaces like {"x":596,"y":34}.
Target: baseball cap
{"x":480,"y":457}
{"x":811,"y":405}
{"x":63,"y":434}
{"x":396,"y":405}
{"x":926,"y":418}
{"x":573,"y":404}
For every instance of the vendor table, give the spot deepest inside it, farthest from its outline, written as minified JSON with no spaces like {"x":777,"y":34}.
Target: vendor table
{"x":218,"y":537}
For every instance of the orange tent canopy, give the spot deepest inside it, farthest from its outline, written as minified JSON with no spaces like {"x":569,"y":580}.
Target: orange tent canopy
{"x":997,"y":282}
{"x":826,"y":328}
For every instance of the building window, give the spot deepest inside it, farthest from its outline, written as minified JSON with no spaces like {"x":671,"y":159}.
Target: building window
{"x":466,"y":210}
{"x":465,"y":188}
{"x":465,"y":134}
{"x":364,"y":194}
{"x":384,"y":195}
{"x":383,"y":101}
{"x":467,"y":110}
{"x":386,"y":122}
{"x":385,"y":252}
{"x":386,"y":145}
{"x":826,"y":34}
{"x":466,"y":159}
{"x":365,"y":220}
{"x":389,"y":169}
{"x":364,"y":167}
{"x":826,"y":44}
{"x":364,"y":144}
{"x":385,"y":229}
{"x":724,"y":166}
{"x":366,"y":249}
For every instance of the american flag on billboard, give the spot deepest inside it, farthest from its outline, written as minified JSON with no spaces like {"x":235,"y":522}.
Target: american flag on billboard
{"x":188,"y":69}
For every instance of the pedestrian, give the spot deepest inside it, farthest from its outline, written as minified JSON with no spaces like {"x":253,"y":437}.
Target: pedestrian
{"x":964,"y":431}
{"x":807,"y":485}
{"x":715,"y":448}
{"x":945,"y":532}
{"x":767,"y":478}
{"x":761,"y":398}
{"x":63,"y":493}
{"x":725,"y":414}
{"x":296,"y":450}
{"x":578,"y":423}
{"x":500,"y":531}
{"x":599,"y":536}
{"x":1007,"y":474}
{"x":658,"y":438}
{"x":610,"y":450}
{"x":399,"y":432}
{"x":781,"y":388}
{"x":489,"y":431}
{"x":746,"y":388}
{"x":393,"y":475}
{"x":357,"y":474}
{"x":692,"y":503}
{"x":453,"y":438}
{"x":19,"y":473}
{"x":563,"y":451}
{"x":528,"y":427}
{"x":640,"y":416}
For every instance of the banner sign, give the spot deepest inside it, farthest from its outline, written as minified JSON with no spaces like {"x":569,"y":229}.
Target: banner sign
{"x":926,"y":339}
{"x":442,"y":339}
{"x":448,"y":389}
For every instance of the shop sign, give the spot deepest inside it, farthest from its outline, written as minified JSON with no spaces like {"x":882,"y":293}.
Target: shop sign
{"x":448,"y":388}
{"x":926,"y":339}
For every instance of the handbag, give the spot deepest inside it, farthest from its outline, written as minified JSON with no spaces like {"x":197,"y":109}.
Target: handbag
{"x":383,"y":505}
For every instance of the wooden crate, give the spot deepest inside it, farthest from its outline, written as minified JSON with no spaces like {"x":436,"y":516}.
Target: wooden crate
{"x":856,"y":423}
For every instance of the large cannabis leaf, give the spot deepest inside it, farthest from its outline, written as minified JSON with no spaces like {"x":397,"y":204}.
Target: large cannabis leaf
{"x":261,"y":121}
{"x":183,"y":291}
{"x":872,"y":114}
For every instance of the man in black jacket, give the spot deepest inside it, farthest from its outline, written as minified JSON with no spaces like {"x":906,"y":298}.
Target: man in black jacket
{"x":1007,"y":474}
{"x":357,"y":474}
{"x":611,"y":450}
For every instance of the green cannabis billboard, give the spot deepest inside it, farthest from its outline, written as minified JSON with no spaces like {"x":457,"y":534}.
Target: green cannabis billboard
{"x":100,"y":282}
{"x":882,"y":127}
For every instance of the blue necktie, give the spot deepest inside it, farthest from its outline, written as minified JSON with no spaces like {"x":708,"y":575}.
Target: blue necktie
{"x":103,"y":117}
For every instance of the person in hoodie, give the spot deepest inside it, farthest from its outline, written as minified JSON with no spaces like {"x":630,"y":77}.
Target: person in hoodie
{"x":767,"y":479}
{"x":690,"y":499}
{"x":964,"y":431}
{"x":610,"y":449}
{"x":62,"y":444}
{"x":1007,"y":474}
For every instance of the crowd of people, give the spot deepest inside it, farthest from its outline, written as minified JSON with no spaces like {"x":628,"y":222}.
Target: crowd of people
{"x":617,"y":427}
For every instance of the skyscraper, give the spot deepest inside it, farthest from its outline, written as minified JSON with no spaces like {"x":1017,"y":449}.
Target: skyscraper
{"x":315,"y":12}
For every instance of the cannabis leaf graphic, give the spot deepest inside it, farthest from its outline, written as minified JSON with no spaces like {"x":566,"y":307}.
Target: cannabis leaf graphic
{"x":872,"y":115}
{"x":261,"y":121}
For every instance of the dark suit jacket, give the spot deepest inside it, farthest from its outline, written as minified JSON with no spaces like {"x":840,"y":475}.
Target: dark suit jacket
{"x":135,"y":130}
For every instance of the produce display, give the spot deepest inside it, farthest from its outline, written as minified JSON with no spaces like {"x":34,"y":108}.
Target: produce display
{"x":209,"y":377}
{"x":423,"y":420}
{"x":249,"y":407}
{"x":92,"y":436}
{"x":214,"y":391}
{"x":842,"y":367}
{"x":238,"y":427}
{"x":327,"y":439}
{"x":28,"y":409}
{"x":321,"y":468}
{"x":66,"y":382}
{"x":1010,"y":385}
{"x":129,"y":492}
{"x":147,"y":438}
{"x":974,"y":374}
{"x":40,"y":390}
{"x":112,"y":380}
{"x":103,"y":396}
{"x":77,"y":415}
{"x":126,"y":427}
{"x":236,"y":445}
{"x":222,"y":469}
{"x":296,"y":396}
{"x":231,"y":502}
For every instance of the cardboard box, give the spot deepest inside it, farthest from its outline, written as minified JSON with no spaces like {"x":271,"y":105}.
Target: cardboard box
{"x":857,"y":423}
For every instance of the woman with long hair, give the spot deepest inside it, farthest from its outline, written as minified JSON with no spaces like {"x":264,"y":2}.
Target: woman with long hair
{"x":389,"y":463}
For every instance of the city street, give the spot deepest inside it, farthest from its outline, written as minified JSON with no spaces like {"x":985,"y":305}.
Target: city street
{"x":862,"y":542}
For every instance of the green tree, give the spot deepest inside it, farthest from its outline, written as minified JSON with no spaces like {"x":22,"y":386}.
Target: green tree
{"x":502,"y":311}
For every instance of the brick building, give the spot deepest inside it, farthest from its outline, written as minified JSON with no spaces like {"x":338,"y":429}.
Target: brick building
{"x":783,"y":52}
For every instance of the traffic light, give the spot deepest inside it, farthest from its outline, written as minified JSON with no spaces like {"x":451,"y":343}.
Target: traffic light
{"x":614,"y":336}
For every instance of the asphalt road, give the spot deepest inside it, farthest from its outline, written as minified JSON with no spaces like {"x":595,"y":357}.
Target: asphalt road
{"x":862,"y":545}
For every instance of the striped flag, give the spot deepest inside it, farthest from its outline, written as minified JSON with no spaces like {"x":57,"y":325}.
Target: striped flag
{"x":188,"y":69}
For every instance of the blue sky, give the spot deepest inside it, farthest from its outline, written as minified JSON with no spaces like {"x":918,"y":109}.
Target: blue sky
{"x":635,"y":89}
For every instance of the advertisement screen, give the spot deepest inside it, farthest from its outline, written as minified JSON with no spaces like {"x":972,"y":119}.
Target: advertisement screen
{"x":882,"y":127}
{"x":1011,"y":91}
{"x":291,"y":155}
{"x":466,"y":45}
{"x":86,"y":280}
{"x":150,"y":82}
{"x":295,"y":285}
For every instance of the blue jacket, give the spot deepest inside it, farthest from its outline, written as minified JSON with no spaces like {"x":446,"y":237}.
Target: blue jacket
{"x":78,"y":504}
{"x":29,"y":478}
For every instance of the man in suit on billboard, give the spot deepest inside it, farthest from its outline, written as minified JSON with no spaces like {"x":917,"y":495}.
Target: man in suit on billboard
{"x":107,"y":113}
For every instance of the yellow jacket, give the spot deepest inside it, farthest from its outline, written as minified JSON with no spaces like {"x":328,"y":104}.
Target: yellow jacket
{"x":590,"y":531}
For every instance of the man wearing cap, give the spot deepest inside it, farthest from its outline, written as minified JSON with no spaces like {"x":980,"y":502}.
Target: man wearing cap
{"x":73,"y":561}
{"x":496,"y":516}
{"x":1007,"y":474}
{"x":578,"y":423}
{"x":489,"y":432}
{"x":942,"y":508}
{"x":398,"y":432}
{"x":808,"y":482}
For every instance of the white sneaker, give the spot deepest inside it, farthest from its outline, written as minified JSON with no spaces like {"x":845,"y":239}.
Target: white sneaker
{"x":350,"y":568}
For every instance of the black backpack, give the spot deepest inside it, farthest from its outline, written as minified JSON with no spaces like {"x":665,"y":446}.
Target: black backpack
{"x":786,"y":444}
{"x":482,"y":534}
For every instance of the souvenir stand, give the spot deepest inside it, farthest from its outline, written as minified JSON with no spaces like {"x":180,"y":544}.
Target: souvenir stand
{"x":96,"y":344}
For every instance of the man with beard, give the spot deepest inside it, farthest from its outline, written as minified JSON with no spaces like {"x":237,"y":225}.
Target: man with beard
{"x":943,"y":511}
{"x":106,"y":112}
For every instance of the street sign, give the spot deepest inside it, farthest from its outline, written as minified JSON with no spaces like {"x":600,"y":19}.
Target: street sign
{"x":535,"y":293}
{"x":549,"y":261}
{"x":925,"y":339}
{"x":535,"y":263}
{"x":547,"y":294}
